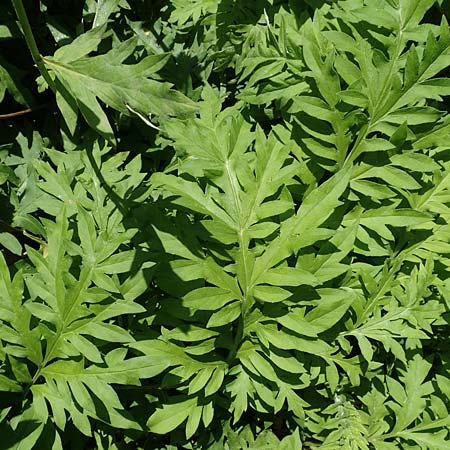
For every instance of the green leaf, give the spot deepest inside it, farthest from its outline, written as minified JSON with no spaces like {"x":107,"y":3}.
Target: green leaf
{"x":104,"y":9}
{"x":430,"y":440}
{"x":271,"y":294}
{"x":10,"y":242}
{"x":314,"y":210}
{"x":81,"y":46}
{"x":288,"y":276}
{"x":240,"y":388}
{"x":415,"y":389}
{"x":225,"y":315}
{"x":118,"y":85}
{"x":170,"y":416}
{"x":208,"y":298}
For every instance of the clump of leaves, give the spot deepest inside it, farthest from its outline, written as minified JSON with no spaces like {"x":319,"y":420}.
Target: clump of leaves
{"x":244,"y":243}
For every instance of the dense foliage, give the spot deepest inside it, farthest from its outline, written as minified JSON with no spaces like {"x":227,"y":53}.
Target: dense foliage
{"x":225,"y":224}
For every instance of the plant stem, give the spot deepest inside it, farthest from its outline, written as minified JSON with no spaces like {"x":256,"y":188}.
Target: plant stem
{"x":22,"y":112}
{"x":31,"y":43}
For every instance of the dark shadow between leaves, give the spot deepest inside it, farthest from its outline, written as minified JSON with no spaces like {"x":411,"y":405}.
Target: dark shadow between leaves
{"x":11,"y":438}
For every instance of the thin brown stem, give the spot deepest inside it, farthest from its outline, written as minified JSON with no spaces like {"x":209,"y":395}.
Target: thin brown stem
{"x":21,"y":112}
{"x":16,"y":114}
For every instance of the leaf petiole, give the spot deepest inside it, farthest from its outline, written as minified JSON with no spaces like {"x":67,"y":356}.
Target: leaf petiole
{"x":31,"y":42}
